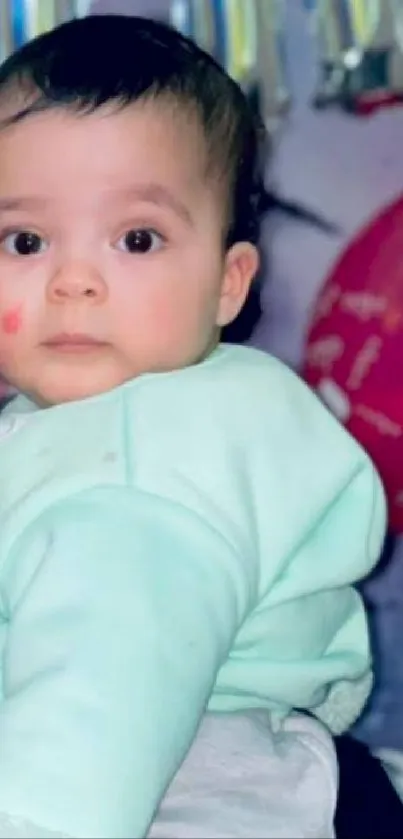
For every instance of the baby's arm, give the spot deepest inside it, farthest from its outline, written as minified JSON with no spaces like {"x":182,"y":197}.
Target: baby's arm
{"x":306,"y":644}
{"x":121,"y":609}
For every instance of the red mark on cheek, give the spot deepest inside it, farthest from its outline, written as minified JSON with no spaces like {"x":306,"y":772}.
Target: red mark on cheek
{"x":11,"y":321}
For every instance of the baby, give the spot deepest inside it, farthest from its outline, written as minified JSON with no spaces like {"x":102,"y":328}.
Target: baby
{"x":181,"y":521}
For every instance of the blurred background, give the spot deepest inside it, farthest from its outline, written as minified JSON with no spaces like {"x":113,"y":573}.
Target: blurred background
{"x":327,"y":76}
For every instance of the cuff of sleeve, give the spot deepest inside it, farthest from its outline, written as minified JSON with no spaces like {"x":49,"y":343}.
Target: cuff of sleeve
{"x":344,"y":703}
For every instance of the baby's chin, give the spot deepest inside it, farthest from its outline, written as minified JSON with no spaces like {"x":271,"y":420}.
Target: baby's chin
{"x":49,"y":393}
{"x":70,"y":377}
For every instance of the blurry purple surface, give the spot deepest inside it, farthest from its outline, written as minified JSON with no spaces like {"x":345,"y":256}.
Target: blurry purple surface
{"x":344,"y":167}
{"x":382,"y":724}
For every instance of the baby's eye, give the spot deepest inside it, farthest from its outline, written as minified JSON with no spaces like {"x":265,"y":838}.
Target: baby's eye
{"x":23,"y":243}
{"x":140,"y":241}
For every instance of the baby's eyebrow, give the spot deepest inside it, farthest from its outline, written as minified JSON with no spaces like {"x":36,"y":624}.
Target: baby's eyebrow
{"x":150,"y":193}
{"x":21,"y":202}
{"x":157,"y":194}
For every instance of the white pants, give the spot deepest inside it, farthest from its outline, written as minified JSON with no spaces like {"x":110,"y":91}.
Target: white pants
{"x":240,"y":779}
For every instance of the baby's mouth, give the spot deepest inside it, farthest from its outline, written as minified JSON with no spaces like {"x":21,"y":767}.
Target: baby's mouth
{"x":67,"y":342}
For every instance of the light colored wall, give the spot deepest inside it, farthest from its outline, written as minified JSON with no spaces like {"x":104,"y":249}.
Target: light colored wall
{"x":340,"y":165}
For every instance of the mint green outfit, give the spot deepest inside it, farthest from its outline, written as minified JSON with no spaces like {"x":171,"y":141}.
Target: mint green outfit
{"x":186,"y":540}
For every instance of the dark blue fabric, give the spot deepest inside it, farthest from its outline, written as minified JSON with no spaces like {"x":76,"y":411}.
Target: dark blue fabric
{"x":368,"y":806}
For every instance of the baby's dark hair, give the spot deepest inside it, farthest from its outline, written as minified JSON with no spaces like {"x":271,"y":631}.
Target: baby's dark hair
{"x":97,"y":60}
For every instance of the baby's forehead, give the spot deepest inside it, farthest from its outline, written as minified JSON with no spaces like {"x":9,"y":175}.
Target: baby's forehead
{"x":18,"y":105}
{"x":153,"y":133}
{"x":100,"y":160}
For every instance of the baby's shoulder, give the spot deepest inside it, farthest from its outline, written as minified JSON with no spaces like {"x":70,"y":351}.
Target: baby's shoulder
{"x":233,"y":379}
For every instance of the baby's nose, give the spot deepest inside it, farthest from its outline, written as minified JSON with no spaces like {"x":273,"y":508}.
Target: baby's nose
{"x":75,"y":280}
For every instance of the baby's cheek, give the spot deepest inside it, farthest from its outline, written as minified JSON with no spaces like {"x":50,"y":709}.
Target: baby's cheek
{"x":11,"y":321}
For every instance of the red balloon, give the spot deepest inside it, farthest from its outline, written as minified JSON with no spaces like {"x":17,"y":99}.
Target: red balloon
{"x":354,"y":350}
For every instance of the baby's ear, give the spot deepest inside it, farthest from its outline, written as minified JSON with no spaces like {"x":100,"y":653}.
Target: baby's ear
{"x":240,"y":267}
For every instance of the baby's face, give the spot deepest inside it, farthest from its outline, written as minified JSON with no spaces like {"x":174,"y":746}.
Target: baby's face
{"x":111,"y":257}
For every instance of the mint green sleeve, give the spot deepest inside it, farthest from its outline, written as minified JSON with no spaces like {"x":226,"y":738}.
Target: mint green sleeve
{"x":121,"y":607}
{"x":306,"y":643}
